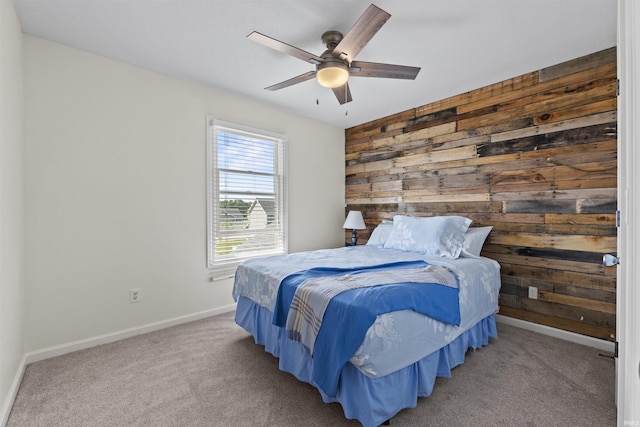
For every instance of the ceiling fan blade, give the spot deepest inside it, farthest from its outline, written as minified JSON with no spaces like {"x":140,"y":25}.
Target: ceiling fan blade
{"x":376,"y":69}
{"x":292,"y":81}
{"x":285,"y":48}
{"x":343,"y":93}
{"x":362,"y":31}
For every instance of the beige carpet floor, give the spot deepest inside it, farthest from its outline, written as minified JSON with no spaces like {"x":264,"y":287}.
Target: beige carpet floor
{"x":211,"y":373}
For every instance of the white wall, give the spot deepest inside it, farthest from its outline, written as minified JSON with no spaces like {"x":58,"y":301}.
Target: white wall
{"x":115,"y":192}
{"x":11,"y":207}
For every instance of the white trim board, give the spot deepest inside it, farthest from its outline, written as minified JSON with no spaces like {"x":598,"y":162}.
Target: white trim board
{"x":628,"y":294}
{"x":13,"y":392}
{"x":558,"y":333}
{"x":58,"y":350}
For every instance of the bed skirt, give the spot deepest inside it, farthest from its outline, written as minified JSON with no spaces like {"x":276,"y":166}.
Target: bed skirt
{"x":371,"y":401}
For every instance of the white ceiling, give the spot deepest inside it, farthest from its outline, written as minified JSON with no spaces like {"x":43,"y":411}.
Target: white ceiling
{"x":460,"y":44}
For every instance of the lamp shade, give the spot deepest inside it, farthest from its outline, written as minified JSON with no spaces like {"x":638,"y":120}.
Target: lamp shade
{"x":354,"y":221}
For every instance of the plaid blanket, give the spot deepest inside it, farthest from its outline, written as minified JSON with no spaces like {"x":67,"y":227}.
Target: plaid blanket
{"x":312,"y":297}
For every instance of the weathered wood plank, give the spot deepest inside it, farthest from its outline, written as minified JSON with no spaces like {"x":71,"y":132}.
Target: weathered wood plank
{"x":465,"y":181}
{"x":607,"y":296}
{"x":569,"y":255}
{"x":512,"y":289}
{"x":572,"y":79}
{"x":447,"y":145}
{"x":583,"y":315}
{"x":584,"y":280}
{"x":373,"y":200}
{"x":372,"y":157}
{"x":516,"y":123}
{"x":418,"y":174}
{"x":581,"y":219}
{"x":555,"y":322}
{"x":579,"y":302}
{"x":607,"y":105}
{"x":556,"y":229}
{"x":453,"y":118}
{"x":558,"y":264}
{"x":436,"y":156}
{"x":501,"y":219}
{"x":419,"y":183}
{"x":422,"y":134}
{"x":539,"y":205}
{"x":431,"y":119}
{"x":480,"y":197}
{"x":560,"y":156}
{"x":453,"y":207}
{"x":371,"y":166}
{"x":463,"y":163}
{"x":572,"y":243}
{"x":365,"y":142}
{"x":603,"y":57}
{"x":583,"y":135}
{"x":591,"y":171}
{"x":552,"y":94}
{"x":597,"y":205}
{"x":531,"y":110}
{"x":573,"y":123}
{"x":353,"y":132}
{"x":587,"y":183}
{"x":515,"y":84}
{"x":601,"y":295}
{"x":589,"y":195}
{"x":569,"y":155}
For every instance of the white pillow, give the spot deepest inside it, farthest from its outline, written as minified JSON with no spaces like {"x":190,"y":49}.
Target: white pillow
{"x":473,"y":240}
{"x":437,"y":236}
{"x":380,"y":233}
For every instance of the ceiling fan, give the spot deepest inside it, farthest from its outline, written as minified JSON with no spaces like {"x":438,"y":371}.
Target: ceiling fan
{"x":336,"y":64}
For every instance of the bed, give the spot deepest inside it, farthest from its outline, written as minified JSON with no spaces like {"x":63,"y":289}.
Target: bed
{"x":404,"y":317}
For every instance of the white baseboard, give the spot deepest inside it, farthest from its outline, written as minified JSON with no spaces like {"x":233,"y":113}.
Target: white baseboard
{"x":58,"y":350}
{"x":13,"y":392}
{"x":558,"y":333}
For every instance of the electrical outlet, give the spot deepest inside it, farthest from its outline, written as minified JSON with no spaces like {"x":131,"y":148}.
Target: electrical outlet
{"x":533,"y":292}
{"x":134,"y":295}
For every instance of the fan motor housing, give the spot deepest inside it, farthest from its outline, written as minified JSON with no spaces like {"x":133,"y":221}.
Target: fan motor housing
{"x":331,"y":39}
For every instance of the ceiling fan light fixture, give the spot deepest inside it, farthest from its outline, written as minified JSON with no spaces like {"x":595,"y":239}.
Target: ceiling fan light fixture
{"x":332,"y":73}
{"x":334,"y":67}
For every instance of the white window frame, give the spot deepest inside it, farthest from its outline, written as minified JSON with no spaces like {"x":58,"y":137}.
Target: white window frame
{"x":227,"y":262}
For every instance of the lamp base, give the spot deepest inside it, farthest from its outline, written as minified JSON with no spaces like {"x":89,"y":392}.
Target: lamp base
{"x":354,"y":237}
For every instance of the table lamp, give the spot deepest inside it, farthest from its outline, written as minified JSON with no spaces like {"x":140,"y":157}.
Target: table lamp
{"x":355,"y":222}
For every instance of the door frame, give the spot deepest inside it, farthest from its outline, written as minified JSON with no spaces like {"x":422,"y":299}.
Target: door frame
{"x":628,"y":293}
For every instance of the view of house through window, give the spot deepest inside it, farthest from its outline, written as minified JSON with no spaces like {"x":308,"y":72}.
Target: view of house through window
{"x":246,"y":193}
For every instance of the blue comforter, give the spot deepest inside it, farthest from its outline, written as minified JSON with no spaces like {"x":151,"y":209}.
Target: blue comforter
{"x":350,"y":314}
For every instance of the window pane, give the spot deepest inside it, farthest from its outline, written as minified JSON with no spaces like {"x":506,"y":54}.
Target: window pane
{"x":246,"y":196}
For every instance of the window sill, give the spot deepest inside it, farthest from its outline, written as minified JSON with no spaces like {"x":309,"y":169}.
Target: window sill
{"x":218,"y":275}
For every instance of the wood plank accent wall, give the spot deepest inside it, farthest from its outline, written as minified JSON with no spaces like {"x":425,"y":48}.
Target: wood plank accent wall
{"x":534,"y":156}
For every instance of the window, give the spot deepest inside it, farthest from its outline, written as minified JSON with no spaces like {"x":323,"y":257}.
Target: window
{"x":246,"y":189}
